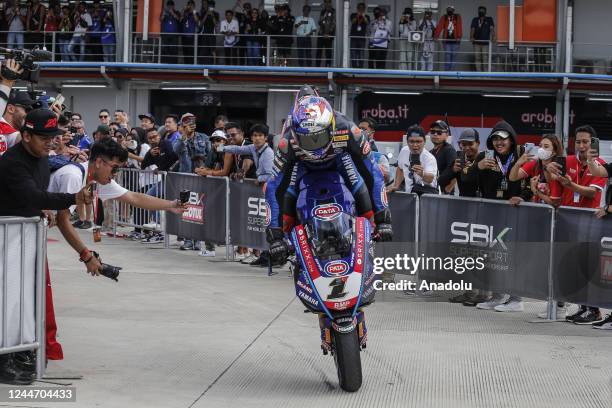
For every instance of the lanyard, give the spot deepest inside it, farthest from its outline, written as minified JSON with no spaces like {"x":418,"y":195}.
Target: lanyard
{"x":504,"y":168}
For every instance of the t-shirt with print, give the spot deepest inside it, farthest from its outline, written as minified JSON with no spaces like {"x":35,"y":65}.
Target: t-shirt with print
{"x":429,"y":163}
{"x":533,"y":168}
{"x":581,"y":175}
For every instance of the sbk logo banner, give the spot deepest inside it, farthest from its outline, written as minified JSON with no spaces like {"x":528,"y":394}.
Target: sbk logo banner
{"x":195,"y":209}
{"x":478,"y":234}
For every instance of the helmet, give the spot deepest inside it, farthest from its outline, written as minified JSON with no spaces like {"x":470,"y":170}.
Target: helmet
{"x":313,"y":125}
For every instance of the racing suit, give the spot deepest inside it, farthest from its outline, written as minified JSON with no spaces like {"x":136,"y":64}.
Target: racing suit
{"x":349,"y":155}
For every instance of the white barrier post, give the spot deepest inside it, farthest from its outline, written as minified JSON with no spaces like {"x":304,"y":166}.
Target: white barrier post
{"x":164,"y":219}
{"x":41,"y":286}
{"x":228,"y":238}
{"x":551,"y":306}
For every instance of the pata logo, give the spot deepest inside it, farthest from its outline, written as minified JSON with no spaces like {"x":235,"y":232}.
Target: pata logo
{"x":478,"y":234}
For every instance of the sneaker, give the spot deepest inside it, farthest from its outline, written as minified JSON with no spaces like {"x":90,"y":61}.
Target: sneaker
{"x":464,"y":297}
{"x":85,"y":225}
{"x":187,"y":245}
{"x":240,"y":257}
{"x":151,"y":226}
{"x":511,"y":306}
{"x":476,"y":300}
{"x":589,"y":317}
{"x":561,"y":313}
{"x":249,"y":259}
{"x":197,"y":246}
{"x":259,"y":261}
{"x":77,"y":224}
{"x":605,"y":324}
{"x":135,"y":236}
{"x":154,"y":239}
{"x":207,"y":253}
{"x":492,"y":303}
{"x":580,"y":312}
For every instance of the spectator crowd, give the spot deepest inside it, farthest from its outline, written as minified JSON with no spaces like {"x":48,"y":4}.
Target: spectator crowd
{"x":248,"y":35}
{"x":79,"y":31}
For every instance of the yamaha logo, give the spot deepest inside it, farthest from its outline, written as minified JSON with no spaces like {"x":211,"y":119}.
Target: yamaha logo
{"x":327,"y":211}
{"x":336,"y":268}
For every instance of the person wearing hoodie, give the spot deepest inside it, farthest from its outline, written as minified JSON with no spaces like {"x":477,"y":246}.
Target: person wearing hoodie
{"x":492,"y":176}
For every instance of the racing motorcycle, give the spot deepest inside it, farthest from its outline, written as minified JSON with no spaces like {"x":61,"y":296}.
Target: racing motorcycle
{"x":333,"y":270}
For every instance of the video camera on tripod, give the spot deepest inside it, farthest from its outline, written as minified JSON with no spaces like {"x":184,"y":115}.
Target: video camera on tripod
{"x":28,"y":61}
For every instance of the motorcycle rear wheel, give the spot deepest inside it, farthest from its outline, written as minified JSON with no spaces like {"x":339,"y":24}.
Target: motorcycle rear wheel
{"x":347,"y":359}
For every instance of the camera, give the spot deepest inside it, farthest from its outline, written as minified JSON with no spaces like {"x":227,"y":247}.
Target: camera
{"x":28,"y":61}
{"x":184,"y":196}
{"x":110,"y":271}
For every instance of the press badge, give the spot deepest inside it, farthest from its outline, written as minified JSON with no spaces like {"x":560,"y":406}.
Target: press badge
{"x":576,"y":198}
{"x":500,"y":193}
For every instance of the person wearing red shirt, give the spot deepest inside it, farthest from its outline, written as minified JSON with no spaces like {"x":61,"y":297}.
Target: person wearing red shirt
{"x":545,"y":187}
{"x":582,"y":189}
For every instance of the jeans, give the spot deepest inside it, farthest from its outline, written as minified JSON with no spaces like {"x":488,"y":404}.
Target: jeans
{"x":450,"y":55}
{"x":153,"y":191}
{"x":304,"y":51}
{"x":80,"y":41}
{"x":109,"y":52}
{"x":64,"y":49}
{"x":357,"y":54}
{"x":14,"y":40}
{"x":253,"y":53}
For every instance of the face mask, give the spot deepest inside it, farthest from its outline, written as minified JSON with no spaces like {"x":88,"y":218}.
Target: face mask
{"x":544,"y":154}
{"x":132,"y":145}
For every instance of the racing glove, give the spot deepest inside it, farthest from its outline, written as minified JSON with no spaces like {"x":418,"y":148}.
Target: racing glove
{"x":279,"y":250}
{"x":383,"y":231}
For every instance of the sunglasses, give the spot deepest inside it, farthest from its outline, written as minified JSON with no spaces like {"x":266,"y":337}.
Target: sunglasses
{"x":114,"y":169}
{"x":103,"y":116}
{"x":437,"y":132}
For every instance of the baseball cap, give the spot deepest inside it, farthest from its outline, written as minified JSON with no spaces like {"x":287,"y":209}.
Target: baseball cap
{"x":103,"y":129}
{"x":20,"y":98}
{"x":121,"y":130}
{"x":469,"y":135}
{"x":439,"y":124}
{"x":218,"y":134}
{"x":187,"y":115}
{"x":42,"y":122}
{"x":148,"y":116}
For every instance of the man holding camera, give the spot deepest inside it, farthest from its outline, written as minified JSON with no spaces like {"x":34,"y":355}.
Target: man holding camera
{"x":18,"y":105}
{"x":416,"y":166}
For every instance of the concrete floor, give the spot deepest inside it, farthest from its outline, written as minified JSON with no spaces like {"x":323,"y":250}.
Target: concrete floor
{"x":183,"y":331}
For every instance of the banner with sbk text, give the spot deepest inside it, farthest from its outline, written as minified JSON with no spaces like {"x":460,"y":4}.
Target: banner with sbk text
{"x":204,"y":219}
{"x":583,"y":258}
{"x":250,"y":215}
{"x":513,"y":243}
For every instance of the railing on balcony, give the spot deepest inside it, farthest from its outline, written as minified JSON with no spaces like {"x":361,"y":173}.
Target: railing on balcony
{"x":65,"y":46}
{"x":592,"y":58}
{"x":314,"y":51}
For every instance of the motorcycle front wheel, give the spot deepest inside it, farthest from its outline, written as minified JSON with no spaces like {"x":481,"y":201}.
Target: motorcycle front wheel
{"x":347,"y":359}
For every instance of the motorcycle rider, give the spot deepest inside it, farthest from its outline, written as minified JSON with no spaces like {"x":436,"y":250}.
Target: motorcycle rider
{"x":315,"y":137}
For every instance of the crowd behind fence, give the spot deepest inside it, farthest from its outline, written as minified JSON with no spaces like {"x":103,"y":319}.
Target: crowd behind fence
{"x":530,"y":258}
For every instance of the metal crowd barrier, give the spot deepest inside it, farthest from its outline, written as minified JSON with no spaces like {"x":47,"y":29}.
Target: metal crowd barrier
{"x":141,"y":181}
{"x":23,"y":244}
{"x":530,"y":248}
